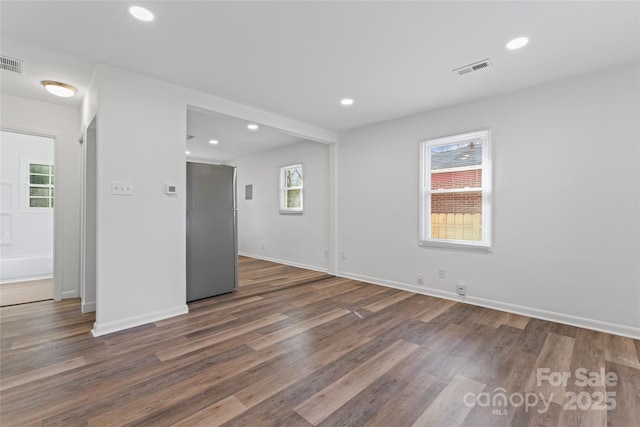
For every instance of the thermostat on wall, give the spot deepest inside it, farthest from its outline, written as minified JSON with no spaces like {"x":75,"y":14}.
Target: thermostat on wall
{"x":171,"y":189}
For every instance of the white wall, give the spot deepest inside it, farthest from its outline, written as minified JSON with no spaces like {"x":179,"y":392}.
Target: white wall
{"x":566,"y":192}
{"x":291,"y":239}
{"x":141,"y":139}
{"x":28,"y":252}
{"x":140,"y":238}
{"x":585,"y":273}
{"x":63,"y":122}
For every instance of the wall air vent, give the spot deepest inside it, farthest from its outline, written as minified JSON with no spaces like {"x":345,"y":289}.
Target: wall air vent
{"x":472,"y":67}
{"x":11,"y":64}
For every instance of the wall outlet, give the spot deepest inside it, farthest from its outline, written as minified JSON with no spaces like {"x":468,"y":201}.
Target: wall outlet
{"x":343,"y":255}
{"x":326,"y":254}
{"x":171,"y":189}
{"x":442,"y":273}
{"x":420,"y":279}
{"x":461,"y":289}
{"x":263,"y":247}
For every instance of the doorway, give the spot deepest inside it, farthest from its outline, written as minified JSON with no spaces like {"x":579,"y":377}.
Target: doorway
{"x":27,"y":203}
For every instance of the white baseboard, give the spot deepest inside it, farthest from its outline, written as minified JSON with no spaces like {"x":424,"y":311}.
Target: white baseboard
{"x":131,"y":322}
{"x":285,"y":262}
{"x":88,"y":307}
{"x":17,"y":269}
{"x":402,"y":286}
{"x":69,"y":294}
{"x":27,"y":279}
{"x":552,"y":316}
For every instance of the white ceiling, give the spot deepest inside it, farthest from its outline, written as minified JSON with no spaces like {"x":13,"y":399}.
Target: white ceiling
{"x":297,"y":59}
{"x":234,"y":139}
{"x":42,"y":64}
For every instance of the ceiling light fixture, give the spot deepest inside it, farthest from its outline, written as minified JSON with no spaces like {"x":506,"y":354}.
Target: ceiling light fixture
{"x":517,"y":43}
{"x":346,"y":102}
{"x":59,"y":89}
{"x":252,"y":126}
{"x":213,"y":141}
{"x":187,"y":152}
{"x":141,"y":13}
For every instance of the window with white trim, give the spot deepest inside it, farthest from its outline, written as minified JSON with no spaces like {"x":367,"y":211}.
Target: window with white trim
{"x":455,"y":191}
{"x":291,"y":189}
{"x":40,"y":186}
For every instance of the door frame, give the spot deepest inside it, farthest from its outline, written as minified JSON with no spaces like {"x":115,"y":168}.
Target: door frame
{"x":57,"y":234}
{"x":87,"y":306}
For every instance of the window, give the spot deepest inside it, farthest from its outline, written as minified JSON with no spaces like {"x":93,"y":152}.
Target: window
{"x":40,"y":186}
{"x":291,"y":192}
{"x":455,"y":191}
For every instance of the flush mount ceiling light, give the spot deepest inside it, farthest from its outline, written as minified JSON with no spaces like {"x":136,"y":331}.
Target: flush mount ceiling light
{"x":346,"y":102}
{"x":141,"y":13}
{"x":187,"y":152}
{"x":252,"y":126}
{"x":517,"y":43}
{"x":213,"y":141}
{"x":59,"y":89}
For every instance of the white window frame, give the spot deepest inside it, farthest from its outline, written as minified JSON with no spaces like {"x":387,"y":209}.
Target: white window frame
{"x":424,"y":237}
{"x":283,"y":190}
{"x":6,"y":212}
{"x":26,"y":186}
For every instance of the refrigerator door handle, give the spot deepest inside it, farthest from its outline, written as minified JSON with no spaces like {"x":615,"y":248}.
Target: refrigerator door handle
{"x":235,"y":189}
{"x":235,"y":247}
{"x":235,"y":225}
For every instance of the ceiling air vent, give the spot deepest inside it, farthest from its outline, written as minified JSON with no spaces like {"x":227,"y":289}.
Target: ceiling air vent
{"x":472,"y":67}
{"x":11,"y":64}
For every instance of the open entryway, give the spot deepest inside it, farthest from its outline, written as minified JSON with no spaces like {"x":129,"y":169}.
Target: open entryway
{"x":27,"y":203}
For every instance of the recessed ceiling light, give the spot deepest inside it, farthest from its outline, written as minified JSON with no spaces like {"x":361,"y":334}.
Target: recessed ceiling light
{"x":213,"y":141}
{"x":187,"y":152}
{"x":346,"y":102}
{"x":517,"y":43}
{"x":141,"y":13}
{"x":252,"y":126}
{"x":59,"y":89}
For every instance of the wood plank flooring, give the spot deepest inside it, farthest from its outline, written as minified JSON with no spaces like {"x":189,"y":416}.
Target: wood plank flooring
{"x":26,"y":291}
{"x":301,"y":348}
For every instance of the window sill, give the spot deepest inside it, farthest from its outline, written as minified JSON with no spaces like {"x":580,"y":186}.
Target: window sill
{"x":283,"y":212}
{"x":36,"y":211}
{"x":456,"y":246}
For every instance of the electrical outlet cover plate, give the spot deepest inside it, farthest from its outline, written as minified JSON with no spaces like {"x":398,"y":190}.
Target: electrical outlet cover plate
{"x":170,"y":189}
{"x":461,"y":289}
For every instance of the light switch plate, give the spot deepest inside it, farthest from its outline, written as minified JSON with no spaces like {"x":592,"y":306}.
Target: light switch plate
{"x":121,"y":188}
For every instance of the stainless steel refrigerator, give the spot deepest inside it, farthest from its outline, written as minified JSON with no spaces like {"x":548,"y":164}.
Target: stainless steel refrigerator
{"x":212,"y":249}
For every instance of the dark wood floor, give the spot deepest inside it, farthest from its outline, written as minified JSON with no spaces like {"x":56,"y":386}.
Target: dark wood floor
{"x":300,"y":348}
